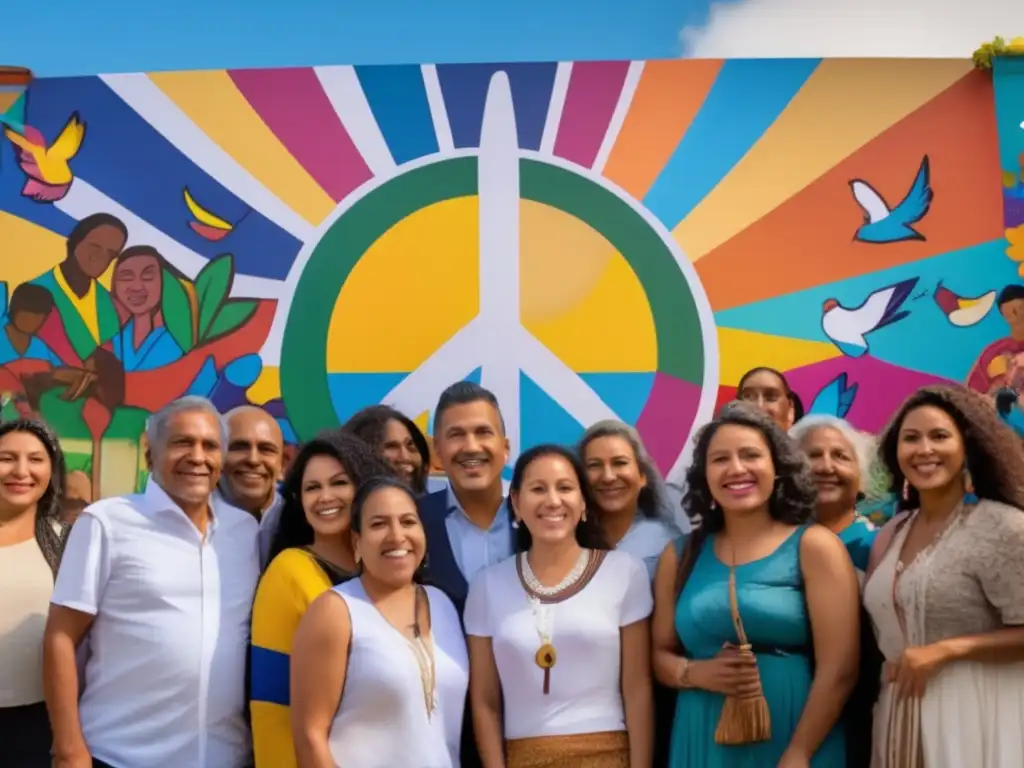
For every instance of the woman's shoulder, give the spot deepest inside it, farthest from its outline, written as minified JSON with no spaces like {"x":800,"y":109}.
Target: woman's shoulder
{"x":988,"y":519}
{"x":295,"y":565}
{"x":618,"y":562}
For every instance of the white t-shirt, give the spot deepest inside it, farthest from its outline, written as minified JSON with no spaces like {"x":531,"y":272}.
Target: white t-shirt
{"x":164,"y":683}
{"x":585,"y":692}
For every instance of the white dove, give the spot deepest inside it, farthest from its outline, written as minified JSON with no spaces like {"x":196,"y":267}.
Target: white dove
{"x":848,"y":328}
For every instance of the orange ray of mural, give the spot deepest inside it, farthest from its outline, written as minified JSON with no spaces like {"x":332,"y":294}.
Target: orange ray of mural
{"x":809,"y":239}
{"x":669,"y":96}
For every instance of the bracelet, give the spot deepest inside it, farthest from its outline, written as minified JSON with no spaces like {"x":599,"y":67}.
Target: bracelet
{"x":684,"y":675}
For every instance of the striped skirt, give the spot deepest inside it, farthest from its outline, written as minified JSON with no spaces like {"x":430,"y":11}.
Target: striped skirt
{"x":609,"y":749}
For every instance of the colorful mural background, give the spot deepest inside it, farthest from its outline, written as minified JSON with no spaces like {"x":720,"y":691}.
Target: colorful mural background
{"x":588,"y":239}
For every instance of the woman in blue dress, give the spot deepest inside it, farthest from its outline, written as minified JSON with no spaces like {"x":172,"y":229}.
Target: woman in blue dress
{"x":796,"y":593}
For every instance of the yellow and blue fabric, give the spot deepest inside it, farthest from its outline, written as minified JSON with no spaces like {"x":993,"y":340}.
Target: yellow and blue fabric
{"x":292,"y":581}
{"x":89,"y":321}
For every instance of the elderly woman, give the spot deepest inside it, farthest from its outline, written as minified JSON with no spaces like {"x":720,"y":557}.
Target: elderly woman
{"x":840,"y":458}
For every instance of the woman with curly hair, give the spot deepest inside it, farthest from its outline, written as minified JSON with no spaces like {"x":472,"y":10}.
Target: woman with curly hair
{"x":945,"y":587}
{"x":397,"y":438}
{"x":756,"y":615}
{"x":311,"y":552}
{"x":32,"y":480}
{"x":559,"y":634}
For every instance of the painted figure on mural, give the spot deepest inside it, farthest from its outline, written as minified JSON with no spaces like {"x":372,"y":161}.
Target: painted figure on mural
{"x":143,"y":343}
{"x":1001,"y":363}
{"x":85,"y":311}
{"x":28,"y":309}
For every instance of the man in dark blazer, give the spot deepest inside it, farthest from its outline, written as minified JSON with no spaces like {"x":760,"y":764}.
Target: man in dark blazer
{"x":468,"y":524}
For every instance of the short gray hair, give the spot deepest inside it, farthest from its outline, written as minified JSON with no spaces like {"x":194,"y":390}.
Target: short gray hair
{"x":863,"y":445}
{"x":156,"y":425}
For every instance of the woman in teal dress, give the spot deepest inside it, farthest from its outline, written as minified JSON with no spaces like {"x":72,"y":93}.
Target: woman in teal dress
{"x":797,"y":597}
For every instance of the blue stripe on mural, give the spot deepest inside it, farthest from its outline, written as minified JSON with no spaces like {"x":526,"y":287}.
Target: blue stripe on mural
{"x":746,"y":98}
{"x":923,"y":341}
{"x":125,"y":157}
{"x":465,"y":90}
{"x":398,"y":100}
{"x":1009,"y":90}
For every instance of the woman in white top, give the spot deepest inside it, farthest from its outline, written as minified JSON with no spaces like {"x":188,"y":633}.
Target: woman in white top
{"x":31,"y":541}
{"x":945,"y":588}
{"x":559,"y":634}
{"x":379,"y":669}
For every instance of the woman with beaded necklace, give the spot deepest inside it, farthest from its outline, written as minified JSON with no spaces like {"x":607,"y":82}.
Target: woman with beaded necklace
{"x":559,"y":634}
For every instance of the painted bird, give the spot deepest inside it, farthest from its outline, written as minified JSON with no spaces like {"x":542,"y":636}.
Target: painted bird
{"x":883,"y":224}
{"x":48,"y":168}
{"x":848,"y":328}
{"x":960,"y":311}
{"x":207,"y":225}
{"x":835,"y":398}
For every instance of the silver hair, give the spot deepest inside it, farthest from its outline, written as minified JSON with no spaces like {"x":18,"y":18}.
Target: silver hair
{"x":156,"y":425}
{"x":863,"y":445}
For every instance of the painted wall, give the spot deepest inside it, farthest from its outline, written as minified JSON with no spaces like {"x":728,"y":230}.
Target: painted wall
{"x":588,"y":240}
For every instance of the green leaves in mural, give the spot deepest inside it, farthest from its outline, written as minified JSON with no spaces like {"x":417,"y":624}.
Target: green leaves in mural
{"x":231,"y":315}
{"x":212,"y":285}
{"x":177,"y":311}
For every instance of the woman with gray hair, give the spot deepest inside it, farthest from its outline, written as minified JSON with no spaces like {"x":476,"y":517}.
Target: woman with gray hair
{"x":632,"y":505}
{"x":840,"y":458}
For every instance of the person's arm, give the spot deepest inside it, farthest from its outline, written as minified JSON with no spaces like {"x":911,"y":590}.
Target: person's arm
{"x":833,"y":605}
{"x":319,"y":664}
{"x":635,"y":653}
{"x":77,"y":594}
{"x":285,"y":591}
{"x":666,"y":658}
{"x":484,"y":680}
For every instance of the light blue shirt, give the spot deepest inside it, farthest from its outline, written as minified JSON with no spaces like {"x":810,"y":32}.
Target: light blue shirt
{"x":646,"y":539}
{"x":473,"y":547}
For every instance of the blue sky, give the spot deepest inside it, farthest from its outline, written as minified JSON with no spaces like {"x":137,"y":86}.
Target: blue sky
{"x":118,"y":35}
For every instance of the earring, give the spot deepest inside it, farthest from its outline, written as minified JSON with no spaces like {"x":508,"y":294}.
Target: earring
{"x":906,"y":489}
{"x":714,"y":504}
{"x":968,"y":481}
{"x":358,"y":559}
{"x":515,"y":522}
{"x":583,"y":517}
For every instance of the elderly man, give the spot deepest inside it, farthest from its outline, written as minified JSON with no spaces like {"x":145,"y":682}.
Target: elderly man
{"x":163,"y":584}
{"x":253,"y":466}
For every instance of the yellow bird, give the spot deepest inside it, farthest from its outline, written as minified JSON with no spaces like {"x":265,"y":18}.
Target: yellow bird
{"x":48,"y":168}
{"x":206,"y":224}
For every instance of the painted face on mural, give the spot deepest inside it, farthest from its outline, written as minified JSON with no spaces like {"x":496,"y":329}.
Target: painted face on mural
{"x":400,"y":450}
{"x":254,"y":459}
{"x":326,"y":495}
{"x":98,"y":249}
{"x":740,"y":472}
{"x":472,"y":445}
{"x":835,"y":467}
{"x":931,"y":449}
{"x":25,"y":471}
{"x":768,"y":392}
{"x":614,"y":474}
{"x":138,"y":284}
{"x":1013,"y":312}
{"x":188,"y":463}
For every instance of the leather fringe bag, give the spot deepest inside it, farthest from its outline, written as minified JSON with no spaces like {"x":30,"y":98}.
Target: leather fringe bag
{"x":743,"y":720}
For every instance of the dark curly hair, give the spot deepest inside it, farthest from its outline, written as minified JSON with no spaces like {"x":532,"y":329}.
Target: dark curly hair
{"x":792,"y":501}
{"x":50,"y":532}
{"x":361,"y":463}
{"x":589,"y":533}
{"x":992,"y":451}
{"x":371,"y":425}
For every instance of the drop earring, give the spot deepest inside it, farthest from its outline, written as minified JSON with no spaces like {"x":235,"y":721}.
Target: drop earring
{"x":583,"y":517}
{"x":906,"y":489}
{"x":515,"y":522}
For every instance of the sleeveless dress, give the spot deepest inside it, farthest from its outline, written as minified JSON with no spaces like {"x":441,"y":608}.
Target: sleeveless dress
{"x":771,"y":601}
{"x":382,"y":719}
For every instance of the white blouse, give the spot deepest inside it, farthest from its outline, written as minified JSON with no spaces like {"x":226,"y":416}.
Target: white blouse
{"x":585,"y":694}
{"x":382,"y":720}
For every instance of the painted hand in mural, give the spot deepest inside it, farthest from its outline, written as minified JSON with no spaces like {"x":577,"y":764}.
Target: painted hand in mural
{"x":848,"y":328}
{"x":883,"y":224}
{"x":47,"y":167}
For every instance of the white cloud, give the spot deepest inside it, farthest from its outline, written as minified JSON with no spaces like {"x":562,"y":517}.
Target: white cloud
{"x":860,"y":28}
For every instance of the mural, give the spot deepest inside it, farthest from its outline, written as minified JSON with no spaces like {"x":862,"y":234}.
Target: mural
{"x":587,"y":239}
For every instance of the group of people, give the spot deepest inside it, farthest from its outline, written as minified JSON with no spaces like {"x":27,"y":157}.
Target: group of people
{"x":331,"y":613}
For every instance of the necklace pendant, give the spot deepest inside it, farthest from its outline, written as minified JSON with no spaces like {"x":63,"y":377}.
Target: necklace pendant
{"x":545,"y":659}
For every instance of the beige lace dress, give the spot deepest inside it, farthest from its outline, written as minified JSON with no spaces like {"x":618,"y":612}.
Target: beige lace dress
{"x":970,"y":580}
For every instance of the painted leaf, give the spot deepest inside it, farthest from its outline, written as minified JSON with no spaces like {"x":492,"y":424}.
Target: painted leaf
{"x":212,"y":285}
{"x":177,"y":312}
{"x":233,"y":314}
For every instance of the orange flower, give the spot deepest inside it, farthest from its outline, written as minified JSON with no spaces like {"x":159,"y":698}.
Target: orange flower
{"x":1015,"y":250}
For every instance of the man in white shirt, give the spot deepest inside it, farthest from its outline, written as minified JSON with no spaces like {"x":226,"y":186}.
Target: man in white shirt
{"x":161,"y":583}
{"x":253,"y":465}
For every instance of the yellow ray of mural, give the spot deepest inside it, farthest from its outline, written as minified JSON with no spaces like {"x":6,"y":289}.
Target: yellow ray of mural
{"x":742,"y":350}
{"x":842,"y":106}
{"x":267,"y":386}
{"x":213,"y":103}
{"x":28,"y":250}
